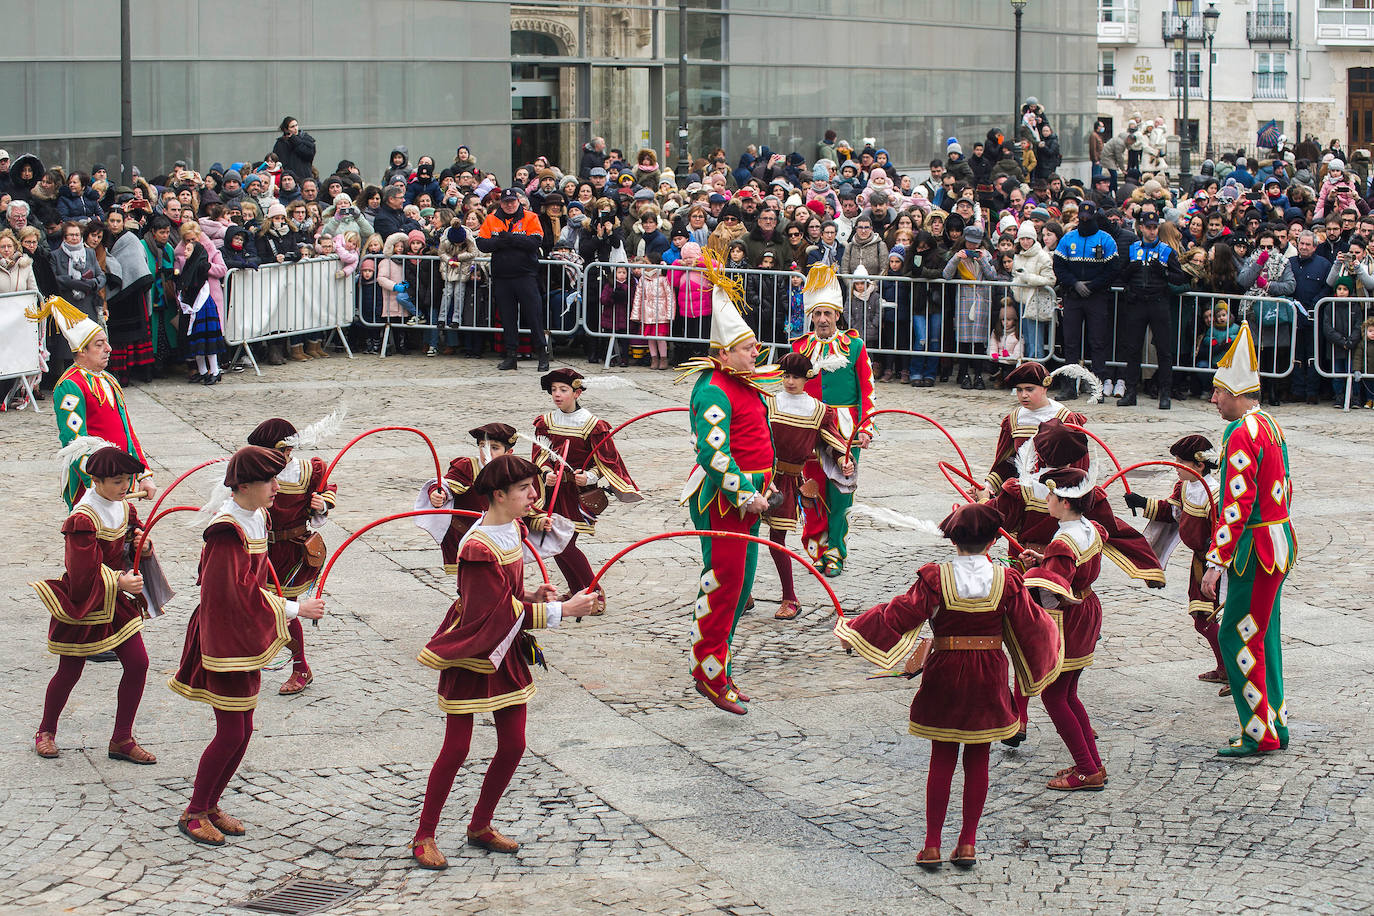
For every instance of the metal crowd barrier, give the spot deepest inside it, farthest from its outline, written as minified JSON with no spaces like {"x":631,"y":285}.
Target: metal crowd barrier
{"x":1275,"y":339}
{"x":286,"y":300}
{"x":1344,"y":317}
{"x":471,"y":309}
{"x":21,"y":342}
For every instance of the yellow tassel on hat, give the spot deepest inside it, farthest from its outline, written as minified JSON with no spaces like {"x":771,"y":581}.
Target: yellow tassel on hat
{"x":819,"y":277}
{"x":57,"y":304}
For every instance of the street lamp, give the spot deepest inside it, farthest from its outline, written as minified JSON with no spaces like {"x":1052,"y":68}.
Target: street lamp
{"x":1185,"y":160}
{"x":1209,"y":27}
{"x":1018,"y":7}
{"x":684,"y":162}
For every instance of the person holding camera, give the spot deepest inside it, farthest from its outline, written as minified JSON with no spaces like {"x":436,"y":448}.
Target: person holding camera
{"x":345,"y":217}
{"x":295,"y":149}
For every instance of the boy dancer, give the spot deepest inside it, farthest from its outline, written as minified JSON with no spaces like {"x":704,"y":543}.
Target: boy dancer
{"x":1034,"y":405}
{"x":493,"y":440}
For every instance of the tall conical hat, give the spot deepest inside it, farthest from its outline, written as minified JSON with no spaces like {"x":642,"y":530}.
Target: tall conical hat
{"x":822,"y":289}
{"x":1238,"y":370}
{"x":74,"y":324}
{"x":728,"y":326}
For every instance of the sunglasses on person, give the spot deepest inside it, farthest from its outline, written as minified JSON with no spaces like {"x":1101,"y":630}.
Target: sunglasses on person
{"x":1266,"y":247}
{"x":796,"y":232}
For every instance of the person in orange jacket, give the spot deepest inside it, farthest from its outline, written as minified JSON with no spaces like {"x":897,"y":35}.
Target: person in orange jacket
{"x":511,"y":234}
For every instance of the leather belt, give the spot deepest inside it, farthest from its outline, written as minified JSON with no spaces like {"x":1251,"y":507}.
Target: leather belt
{"x":289,"y":534}
{"x":966,"y":643}
{"x":784,"y":467}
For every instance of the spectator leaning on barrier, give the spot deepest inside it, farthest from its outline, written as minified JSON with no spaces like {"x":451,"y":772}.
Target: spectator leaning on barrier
{"x":1033,"y":290}
{"x":512,"y":235}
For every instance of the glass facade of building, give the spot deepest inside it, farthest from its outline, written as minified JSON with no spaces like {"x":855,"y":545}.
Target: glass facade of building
{"x":513,"y":80}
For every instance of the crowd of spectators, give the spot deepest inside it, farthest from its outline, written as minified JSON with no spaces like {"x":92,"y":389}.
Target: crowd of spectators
{"x":987,"y":257}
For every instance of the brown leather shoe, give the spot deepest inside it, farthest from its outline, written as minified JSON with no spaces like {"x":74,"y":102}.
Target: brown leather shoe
{"x":199,"y":828}
{"x":788,"y":610}
{"x":1074,"y":781}
{"x":427,"y":855}
{"x":296,"y":683}
{"x":130,"y":752}
{"x":1102,"y":771}
{"x":45,"y":743}
{"x":226,"y":824}
{"x":728,"y":701}
{"x":964,"y":855}
{"x":491,"y":840}
{"x":930,"y":858}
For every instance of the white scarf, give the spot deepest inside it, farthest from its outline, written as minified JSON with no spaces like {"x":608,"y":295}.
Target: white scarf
{"x":76,"y":259}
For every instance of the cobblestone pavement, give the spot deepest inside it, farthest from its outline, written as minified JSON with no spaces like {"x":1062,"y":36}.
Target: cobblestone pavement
{"x":635,"y":795}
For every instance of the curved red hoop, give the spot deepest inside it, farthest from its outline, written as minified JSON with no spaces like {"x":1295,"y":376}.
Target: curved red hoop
{"x":1121,"y":474}
{"x":438,"y":468}
{"x":911,"y":413}
{"x":138,"y":548}
{"x":611,"y":435}
{"x":173,"y":485}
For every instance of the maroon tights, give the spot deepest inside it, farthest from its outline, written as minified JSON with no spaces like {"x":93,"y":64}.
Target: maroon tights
{"x":572,"y":562}
{"x":1071,"y":721}
{"x":221,"y":758}
{"x":784,"y":564}
{"x":943,"y":757}
{"x":133,"y":656}
{"x":510,"y":747}
{"x":297,"y":633}
{"x":1208,"y":629}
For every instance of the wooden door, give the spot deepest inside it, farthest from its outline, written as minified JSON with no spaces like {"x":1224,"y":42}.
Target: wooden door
{"x":1361,"y":107}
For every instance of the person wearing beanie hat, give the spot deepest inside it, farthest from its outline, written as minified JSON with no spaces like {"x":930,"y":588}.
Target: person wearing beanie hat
{"x":1189,"y":515}
{"x":87,"y":399}
{"x":456,"y":491}
{"x":1063,"y":577}
{"x":238,"y":627}
{"x":295,"y":548}
{"x":844,"y":380}
{"x":483,"y":655}
{"x":804,"y":429}
{"x":728,"y":489}
{"x":974,"y":608}
{"x":573,"y":443}
{"x":1254,"y":546}
{"x":973,"y":302}
{"x":96,"y":606}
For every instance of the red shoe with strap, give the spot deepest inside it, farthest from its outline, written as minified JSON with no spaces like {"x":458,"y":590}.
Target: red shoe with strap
{"x":427,"y":855}
{"x":130,"y":752}
{"x":728,"y":701}
{"x":788,"y":610}
{"x":225,"y":823}
{"x":1074,"y":781}
{"x":1102,"y":771}
{"x":45,"y":743}
{"x":296,"y":683}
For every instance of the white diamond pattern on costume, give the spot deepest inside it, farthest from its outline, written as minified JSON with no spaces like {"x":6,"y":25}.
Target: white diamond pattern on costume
{"x":711,"y":667}
{"x":69,"y":402}
{"x":720,"y":462}
{"x":702,"y":607}
{"x":1277,"y":492}
{"x":716,"y":437}
{"x":1245,"y":661}
{"x":1232,"y":514}
{"x":1240,"y":461}
{"x":713,"y":414}
{"x":709,"y":582}
{"x":1247,"y":627}
{"x":1223,"y":536}
{"x":1236,"y":486}
{"x":1252,"y":695}
{"x":74,"y":423}
{"x":1255,"y":728}
{"x":730,"y":482}
{"x":696,"y":632}
{"x":1282,"y":715}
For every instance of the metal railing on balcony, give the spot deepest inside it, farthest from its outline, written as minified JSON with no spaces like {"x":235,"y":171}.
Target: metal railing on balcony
{"x":1195,"y":89}
{"x":1265,"y":26}
{"x":1271,"y":85}
{"x":1107,"y":90}
{"x":1174,"y":23}
{"x":1340,"y":22}
{"x":1118,"y":22}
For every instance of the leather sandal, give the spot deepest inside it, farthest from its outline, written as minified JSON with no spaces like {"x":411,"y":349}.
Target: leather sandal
{"x":491,"y":840}
{"x":1102,"y":771}
{"x":930,"y":858}
{"x":964,"y":856}
{"x":296,"y":683}
{"x":1074,"y":781}
{"x":199,"y":828}
{"x":788,"y":610}
{"x":226,"y":824}
{"x":45,"y":743}
{"x":1215,"y":676}
{"x":427,"y":855}
{"x":130,"y":752}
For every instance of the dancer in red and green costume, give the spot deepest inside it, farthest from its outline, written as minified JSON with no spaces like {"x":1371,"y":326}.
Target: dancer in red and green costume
{"x":88,"y":400}
{"x":728,"y":489}
{"x":1254,"y":545}
{"x":843,"y":380}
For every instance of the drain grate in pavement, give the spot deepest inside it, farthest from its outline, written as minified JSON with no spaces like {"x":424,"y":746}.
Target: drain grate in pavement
{"x":300,"y":896}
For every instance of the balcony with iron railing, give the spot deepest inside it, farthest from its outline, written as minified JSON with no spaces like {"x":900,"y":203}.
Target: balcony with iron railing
{"x":1271,"y":85}
{"x":1195,"y":89}
{"x":1344,"y":22}
{"x":1118,"y":22}
{"x":1269,"y":26}
{"x":1107,"y":90}
{"x":1173,"y":25}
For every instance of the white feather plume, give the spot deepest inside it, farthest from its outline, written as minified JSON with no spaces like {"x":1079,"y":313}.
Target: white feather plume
{"x":894,"y":519}
{"x":74,"y":452}
{"x":545,"y":444}
{"x":1083,"y":489}
{"x":323,"y":428}
{"x":217,"y":494}
{"x":609,"y":383}
{"x":1082,"y":374}
{"x":830,"y":362}
{"x":1025,"y":464}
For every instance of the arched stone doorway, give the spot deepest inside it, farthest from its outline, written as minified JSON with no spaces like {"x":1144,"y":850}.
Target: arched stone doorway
{"x":543,"y":94}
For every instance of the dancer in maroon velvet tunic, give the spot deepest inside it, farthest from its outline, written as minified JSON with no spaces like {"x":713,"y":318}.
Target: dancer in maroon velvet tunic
{"x":975,"y":608}
{"x":296,"y":551}
{"x":97,"y":606}
{"x":483,"y":650}
{"x":1063,"y":577}
{"x":493,"y":440}
{"x":238,"y":626}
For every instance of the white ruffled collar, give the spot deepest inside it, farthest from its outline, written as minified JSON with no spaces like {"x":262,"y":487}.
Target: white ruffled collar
{"x":292,"y":472}
{"x":110,"y":513}
{"x":973,"y":576}
{"x":797,"y":405}
{"x":1080,"y":530}
{"x":1040,"y":414}
{"x":578,"y":417}
{"x":506,"y":537}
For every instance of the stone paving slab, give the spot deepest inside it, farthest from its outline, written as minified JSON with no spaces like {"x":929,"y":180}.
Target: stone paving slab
{"x":635,"y":794}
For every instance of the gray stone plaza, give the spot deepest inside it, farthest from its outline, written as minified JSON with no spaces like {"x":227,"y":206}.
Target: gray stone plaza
{"x":636,"y":795}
